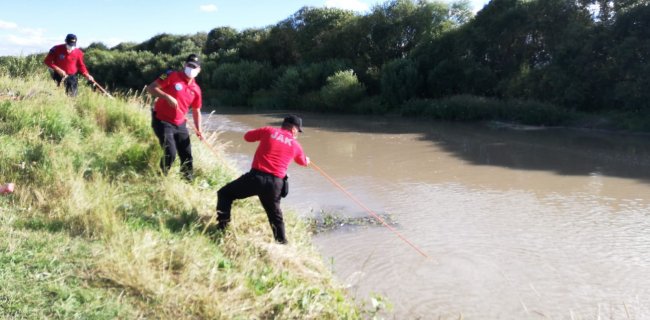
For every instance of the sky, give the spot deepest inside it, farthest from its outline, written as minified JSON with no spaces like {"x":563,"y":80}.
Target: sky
{"x":35,"y":26}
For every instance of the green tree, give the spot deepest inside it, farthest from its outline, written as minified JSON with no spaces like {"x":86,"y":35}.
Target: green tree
{"x":314,"y":75}
{"x":250,"y":44}
{"x":238,"y":81}
{"x":128,"y":69}
{"x":394,"y":28}
{"x":124,"y":46}
{"x":631,"y":56}
{"x":287,"y":87}
{"x":399,"y":82}
{"x":392,"y":31}
{"x":97,"y":45}
{"x":221,"y":39}
{"x":318,"y":32}
{"x":280,"y":46}
{"x":606,"y":11}
{"x":173,"y":44}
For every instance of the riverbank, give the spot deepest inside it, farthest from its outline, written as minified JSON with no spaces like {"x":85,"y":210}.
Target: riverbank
{"x":93,"y":231}
{"x":468,"y":108}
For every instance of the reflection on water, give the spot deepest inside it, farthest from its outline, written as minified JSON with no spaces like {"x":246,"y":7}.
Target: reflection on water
{"x":518,"y":224}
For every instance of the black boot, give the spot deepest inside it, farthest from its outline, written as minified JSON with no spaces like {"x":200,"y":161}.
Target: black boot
{"x":278,"y":234}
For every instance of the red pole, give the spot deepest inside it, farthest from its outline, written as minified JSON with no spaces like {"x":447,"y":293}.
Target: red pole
{"x":371,"y":212}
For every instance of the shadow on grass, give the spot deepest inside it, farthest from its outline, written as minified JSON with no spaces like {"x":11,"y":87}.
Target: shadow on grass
{"x":186,"y":220}
{"x":191,"y":220}
{"x":40,"y":224}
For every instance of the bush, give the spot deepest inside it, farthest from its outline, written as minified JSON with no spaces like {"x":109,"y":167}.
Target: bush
{"x":312,"y":101}
{"x":472,"y":108}
{"x":342,"y":90}
{"x":399,"y":82}
{"x":228,"y":98}
{"x":314,"y":75}
{"x":128,"y":69}
{"x":287,"y":86}
{"x":370,"y":105}
{"x":534,"y":113}
{"x":267,"y":99}
{"x":22,"y":67}
{"x":241,"y":79}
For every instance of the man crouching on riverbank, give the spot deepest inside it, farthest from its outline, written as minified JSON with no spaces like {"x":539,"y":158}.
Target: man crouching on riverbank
{"x":267,"y":178}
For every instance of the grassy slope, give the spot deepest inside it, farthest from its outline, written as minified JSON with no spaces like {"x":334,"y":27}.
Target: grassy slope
{"x":94,"y":232}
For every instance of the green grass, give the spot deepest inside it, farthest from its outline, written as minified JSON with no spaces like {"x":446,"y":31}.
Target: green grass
{"x":93,"y":231}
{"x":47,"y":275}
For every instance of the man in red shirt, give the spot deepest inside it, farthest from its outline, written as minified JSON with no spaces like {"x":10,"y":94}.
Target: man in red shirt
{"x":177,"y":91}
{"x":267,"y":178}
{"x":64,"y":61}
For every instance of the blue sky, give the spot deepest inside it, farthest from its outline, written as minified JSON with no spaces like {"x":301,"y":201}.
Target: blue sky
{"x":35,"y":26}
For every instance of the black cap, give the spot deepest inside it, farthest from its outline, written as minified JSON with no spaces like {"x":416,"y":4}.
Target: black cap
{"x":71,"y":39}
{"x":192,"y":58}
{"x":293,"y":120}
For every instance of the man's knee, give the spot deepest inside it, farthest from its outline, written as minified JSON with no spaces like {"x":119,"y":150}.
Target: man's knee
{"x":224,"y":197}
{"x":221,"y":193}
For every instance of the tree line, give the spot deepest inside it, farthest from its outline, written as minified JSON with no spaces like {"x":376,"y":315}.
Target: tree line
{"x":416,"y":58}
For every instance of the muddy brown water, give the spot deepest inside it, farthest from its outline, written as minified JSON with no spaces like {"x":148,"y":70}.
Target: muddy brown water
{"x":518,"y":222}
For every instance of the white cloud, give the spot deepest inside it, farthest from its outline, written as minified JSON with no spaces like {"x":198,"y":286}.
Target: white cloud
{"x":27,"y":37}
{"x":12,"y":45}
{"x":7,"y":25}
{"x":208,"y":8}
{"x":26,"y":41}
{"x":354,"y":5}
{"x":29,"y":32}
{"x":16,"y":40}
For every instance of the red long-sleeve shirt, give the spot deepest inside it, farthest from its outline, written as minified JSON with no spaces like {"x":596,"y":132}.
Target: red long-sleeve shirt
{"x":70,"y":62}
{"x":276,"y":150}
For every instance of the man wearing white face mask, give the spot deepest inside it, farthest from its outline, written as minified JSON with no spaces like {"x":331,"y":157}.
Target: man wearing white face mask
{"x":64,"y":61}
{"x":177,"y":91}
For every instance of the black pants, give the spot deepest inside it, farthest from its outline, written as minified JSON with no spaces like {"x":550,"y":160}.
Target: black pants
{"x":71,"y":83}
{"x":174,"y":139}
{"x":266,"y":187}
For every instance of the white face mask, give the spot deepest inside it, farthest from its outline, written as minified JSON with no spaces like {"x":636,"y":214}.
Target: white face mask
{"x":69,"y":47}
{"x":191,"y":73}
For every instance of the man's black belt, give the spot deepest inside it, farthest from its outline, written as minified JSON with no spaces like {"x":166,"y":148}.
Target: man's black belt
{"x":262,"y":173}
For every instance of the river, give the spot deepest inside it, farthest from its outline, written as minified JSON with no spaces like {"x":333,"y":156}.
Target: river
{"x":517,"y":222}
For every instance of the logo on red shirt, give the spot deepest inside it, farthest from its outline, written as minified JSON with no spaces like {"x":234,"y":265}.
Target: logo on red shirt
{"x":281,"y":138}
